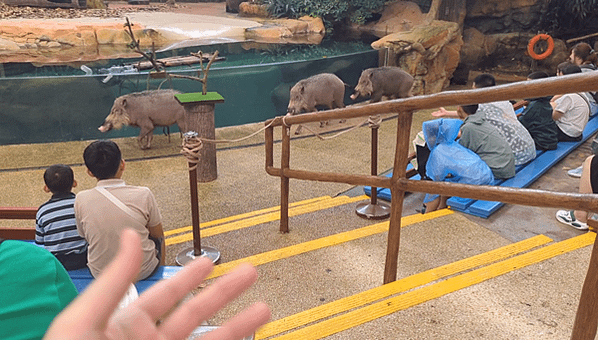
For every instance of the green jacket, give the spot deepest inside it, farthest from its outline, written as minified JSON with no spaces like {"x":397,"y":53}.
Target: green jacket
{"x":485,"y":140}
{"x":537,"y":119}
{"x":35,"y":288}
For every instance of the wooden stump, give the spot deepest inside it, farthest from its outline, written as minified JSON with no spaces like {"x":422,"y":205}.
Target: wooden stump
{"x":199,"y":117}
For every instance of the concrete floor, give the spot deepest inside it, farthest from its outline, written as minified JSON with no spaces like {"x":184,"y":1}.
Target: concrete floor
{"x":537,"y":301}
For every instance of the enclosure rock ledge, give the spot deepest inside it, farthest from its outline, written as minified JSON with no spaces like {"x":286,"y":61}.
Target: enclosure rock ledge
{"x":34,"y":38}
{"x":305,"y":29}
{"x":429,"y":52}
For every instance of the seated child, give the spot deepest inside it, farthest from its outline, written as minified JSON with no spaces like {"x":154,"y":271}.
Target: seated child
{"x":55,"y":226}
{"x":484,"y":139}
{"x":537,"y":119}
{"x":449,"y":161}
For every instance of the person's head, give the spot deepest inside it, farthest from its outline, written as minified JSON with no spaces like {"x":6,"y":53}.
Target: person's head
{"x":103,"y":160}
{"x":484,"y":80}
{"x":560,"y":67}
{"x":582,"y":53}
{"x":571,"y":69}
{"x":59,"y":179}
{"x":537,"y":75}
{"x":466,"y":110}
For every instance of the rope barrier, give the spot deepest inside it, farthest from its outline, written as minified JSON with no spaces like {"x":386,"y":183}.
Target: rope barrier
{"x":192,"y":144}
{"x":372,"y":121}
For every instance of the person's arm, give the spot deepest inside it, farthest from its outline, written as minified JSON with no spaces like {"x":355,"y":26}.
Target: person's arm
{"x":442,"y":112}
{"x":157,"y":233}
{"x":556,"y":115}
{"x":93,"y":314}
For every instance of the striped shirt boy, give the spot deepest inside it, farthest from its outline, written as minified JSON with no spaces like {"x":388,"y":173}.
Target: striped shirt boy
{"x":56,"y":230}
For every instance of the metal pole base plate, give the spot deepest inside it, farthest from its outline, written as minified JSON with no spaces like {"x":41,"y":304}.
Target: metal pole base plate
{"x":373,"y":211}
{"x":188,"y":255}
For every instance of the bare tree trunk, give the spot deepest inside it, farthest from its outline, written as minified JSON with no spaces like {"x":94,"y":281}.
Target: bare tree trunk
{"x":448,"y":10}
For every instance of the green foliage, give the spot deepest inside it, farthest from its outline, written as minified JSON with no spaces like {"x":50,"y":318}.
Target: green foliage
{"x":570,"y":18}
{"x":331,"y":11}
{"x":581,"y":8}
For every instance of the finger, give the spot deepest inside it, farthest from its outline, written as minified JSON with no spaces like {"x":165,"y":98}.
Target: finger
{"x":241,"y":325}
{"x":169,"y":292}
{"x":99,"y":300}
{"x":225,"y":289}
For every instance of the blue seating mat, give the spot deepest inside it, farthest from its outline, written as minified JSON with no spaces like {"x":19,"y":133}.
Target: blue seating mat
{"x":82,"y":277}
{"x":525,"y":175}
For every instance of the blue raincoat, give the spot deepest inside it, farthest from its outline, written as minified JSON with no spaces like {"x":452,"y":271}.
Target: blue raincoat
{"x":449,"y":161}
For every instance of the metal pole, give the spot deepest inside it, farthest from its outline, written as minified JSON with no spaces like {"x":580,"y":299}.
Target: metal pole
{"x":374,"y":209}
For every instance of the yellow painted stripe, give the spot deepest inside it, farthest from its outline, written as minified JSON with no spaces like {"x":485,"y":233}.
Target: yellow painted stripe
{"x":242,"y":216}
{"x":323,"y":242}
{"x":427,"y":293}
{"x":252,"y":221}
{"x":399,"y":286}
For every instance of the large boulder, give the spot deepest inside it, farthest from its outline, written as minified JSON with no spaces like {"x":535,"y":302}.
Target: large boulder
{"x":250,"y":9}
{"x":429,"y":52}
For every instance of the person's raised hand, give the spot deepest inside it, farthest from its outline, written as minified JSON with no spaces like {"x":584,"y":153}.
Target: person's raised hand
{"x":440,"y":113}
{"x":93,"y":314}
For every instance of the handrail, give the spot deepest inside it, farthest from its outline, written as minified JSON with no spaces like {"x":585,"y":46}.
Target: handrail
{"x":17,"y":213}
{"x":587,"y":314}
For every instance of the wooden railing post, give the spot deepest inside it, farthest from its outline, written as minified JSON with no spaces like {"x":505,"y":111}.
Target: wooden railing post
{"x":398,"y":195}
{"x":284,"y":180}
{"x":586,"y":319}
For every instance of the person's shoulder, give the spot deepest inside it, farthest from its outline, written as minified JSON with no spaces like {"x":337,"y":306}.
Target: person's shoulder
{"x":15,"y":247}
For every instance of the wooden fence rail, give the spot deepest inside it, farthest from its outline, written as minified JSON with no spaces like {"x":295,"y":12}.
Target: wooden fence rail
{"x":587,"y":315}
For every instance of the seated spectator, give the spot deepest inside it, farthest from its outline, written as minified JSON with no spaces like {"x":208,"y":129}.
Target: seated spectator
{"x":35,"y":289}
{"x":502,"y":116}
{"x":481,"y":137}
{"x":571,"y":112}
{"x":103,"y":212}
{"x":583,"y":55}
{"x":537,"y":119}
{"x":55,"y":224}
{"x":588,"y":184}
{"x":449,"y":161}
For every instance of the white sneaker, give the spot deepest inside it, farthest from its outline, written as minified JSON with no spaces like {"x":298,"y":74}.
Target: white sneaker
{"x":567,"y":217}
{"x":575,"y":172}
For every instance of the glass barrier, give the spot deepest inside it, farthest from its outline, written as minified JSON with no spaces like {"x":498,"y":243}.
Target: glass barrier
{"x":41,"y":107}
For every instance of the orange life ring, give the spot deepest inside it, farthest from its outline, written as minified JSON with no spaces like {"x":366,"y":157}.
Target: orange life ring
{"x":534,"y":41}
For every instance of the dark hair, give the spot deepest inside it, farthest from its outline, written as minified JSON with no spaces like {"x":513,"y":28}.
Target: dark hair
{"x":484,"y":80}
{"x":585,"y":52}
{"x":538,"y":75}
{"x":59,"y":178}
{"x":560,"y":67}
{"x":102,"y":158}
{"x":571,"y":69}
{"x":470,"y":109}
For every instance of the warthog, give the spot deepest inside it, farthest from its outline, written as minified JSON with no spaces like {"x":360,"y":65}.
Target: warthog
{"x":145,"y":110}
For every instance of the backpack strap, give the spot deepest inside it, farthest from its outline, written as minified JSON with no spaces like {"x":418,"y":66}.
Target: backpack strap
{"x":134,"y":215}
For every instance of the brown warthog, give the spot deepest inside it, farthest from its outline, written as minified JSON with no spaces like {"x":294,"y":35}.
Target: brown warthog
{"x":145,"y":110}
{"x":387,"y":81}
{"x":325,"y":89}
